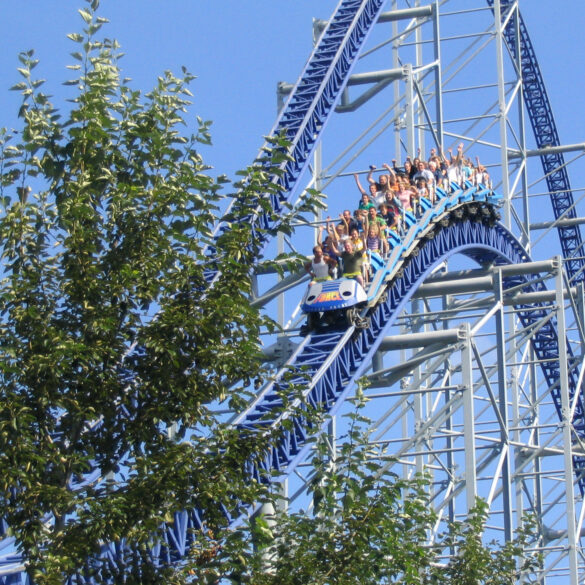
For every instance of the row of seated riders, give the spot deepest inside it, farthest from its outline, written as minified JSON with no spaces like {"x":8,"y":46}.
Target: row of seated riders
{"x":379,"y":218}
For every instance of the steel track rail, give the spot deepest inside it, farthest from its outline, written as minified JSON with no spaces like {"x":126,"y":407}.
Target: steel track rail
{"x":309,"y":107}
{"x":336,"y":360}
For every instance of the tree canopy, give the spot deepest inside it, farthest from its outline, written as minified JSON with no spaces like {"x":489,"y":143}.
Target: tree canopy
{"x":114,"y":351}
{"x":109,"y":333}
{"x":361,"y":524}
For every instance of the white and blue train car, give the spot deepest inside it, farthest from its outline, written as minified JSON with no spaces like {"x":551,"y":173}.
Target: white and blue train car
{"x":340,"y":300}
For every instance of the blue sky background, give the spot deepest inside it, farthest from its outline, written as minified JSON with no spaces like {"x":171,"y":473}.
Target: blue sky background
{"x":240,"y":50}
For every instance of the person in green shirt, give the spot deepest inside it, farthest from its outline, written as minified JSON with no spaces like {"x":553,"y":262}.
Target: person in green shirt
{"x":352,"y":262}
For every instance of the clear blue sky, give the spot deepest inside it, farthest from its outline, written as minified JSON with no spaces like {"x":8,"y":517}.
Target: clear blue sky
{"x":240,"y":50}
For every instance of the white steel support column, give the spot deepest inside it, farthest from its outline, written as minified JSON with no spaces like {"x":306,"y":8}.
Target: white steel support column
{"x":396,"y":63}
{"x":419,"y":114}
{"x":503,"y":404}
{"x":282,"y":503}
{"x":567,"y":429}
{"x":521,"y":131}
{"x":267,"y":513}
{"x":421,"y":410}
{"x":536,"y":439}
{"x":438,"y":76}
{"x":469,"y":419}
{"x":409,"y":106}
{"x":378,"y":361}
{"x":502,"y":112}
{"x":404,"y":388}
{"x":446,"y":301}
{"x":515,"y":437}
{"x":332,"y":435}
{"x":281,"y":317}
{"x":419,"y":398}
{"x":318,"y":154}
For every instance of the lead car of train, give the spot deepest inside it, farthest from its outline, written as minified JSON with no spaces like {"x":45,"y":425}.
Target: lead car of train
{"x":344,"y":302}
{"x":339,"y":301}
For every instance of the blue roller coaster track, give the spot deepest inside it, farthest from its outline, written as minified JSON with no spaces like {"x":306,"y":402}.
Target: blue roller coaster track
{"x":312,"y":101}
{"x":335,"y":359}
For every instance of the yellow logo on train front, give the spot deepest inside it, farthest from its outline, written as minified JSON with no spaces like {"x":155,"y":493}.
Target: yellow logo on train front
{"x":329,"y":296}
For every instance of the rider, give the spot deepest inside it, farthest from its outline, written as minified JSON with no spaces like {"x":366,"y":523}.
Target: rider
{"x":352,"y":262}
{"x":320,"y":266}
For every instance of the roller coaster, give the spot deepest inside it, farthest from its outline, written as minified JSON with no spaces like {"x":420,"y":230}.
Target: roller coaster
{"x":473,"y":346}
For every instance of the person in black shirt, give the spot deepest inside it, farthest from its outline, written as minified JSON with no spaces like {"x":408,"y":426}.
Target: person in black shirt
{"x":352,"y":262}
{"x":391,"y":216}
{"x":349,"y":222}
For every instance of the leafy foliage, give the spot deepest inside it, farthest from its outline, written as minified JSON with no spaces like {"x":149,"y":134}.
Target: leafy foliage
{"x":363,"y":525}
{"x":110,"y":335}
{"x":474,"y":562}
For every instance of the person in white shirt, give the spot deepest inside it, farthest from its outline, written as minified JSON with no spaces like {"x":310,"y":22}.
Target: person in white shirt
{"x":320,"y":266}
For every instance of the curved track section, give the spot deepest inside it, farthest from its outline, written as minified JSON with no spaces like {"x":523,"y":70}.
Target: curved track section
{"x":335,"y":360}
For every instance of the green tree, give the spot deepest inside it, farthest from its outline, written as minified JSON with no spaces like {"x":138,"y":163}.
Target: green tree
{"x":109,"y":333}
{"x":474,"y":561}
{"x":363,"y":525}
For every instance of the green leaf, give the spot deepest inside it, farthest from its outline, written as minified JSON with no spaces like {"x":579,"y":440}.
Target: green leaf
{"x":87,"y":17}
